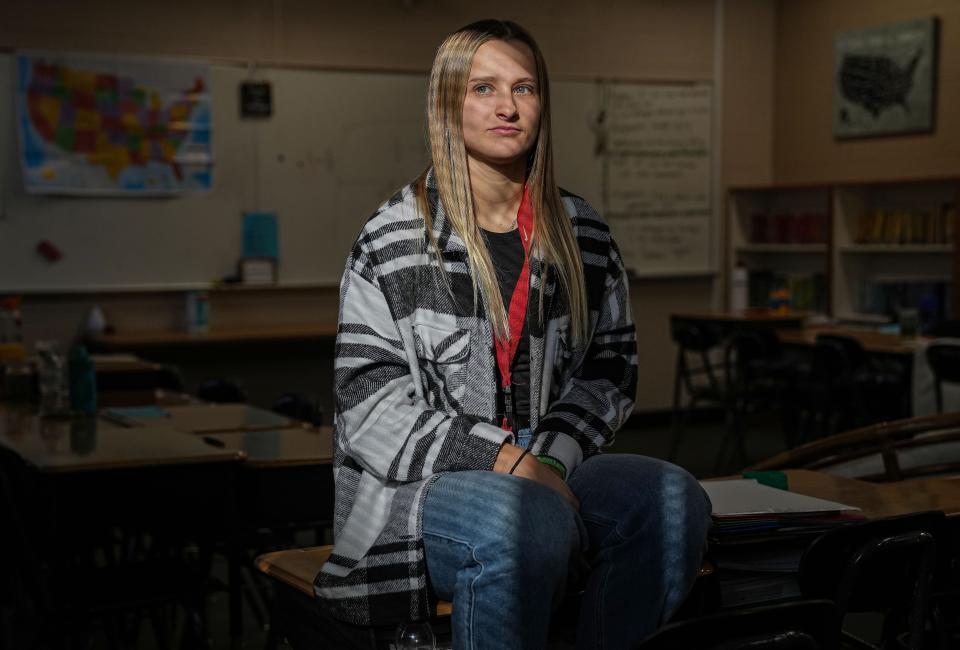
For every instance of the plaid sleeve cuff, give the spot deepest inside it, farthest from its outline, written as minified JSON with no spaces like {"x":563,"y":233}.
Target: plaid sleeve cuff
{"x":563,"y":450}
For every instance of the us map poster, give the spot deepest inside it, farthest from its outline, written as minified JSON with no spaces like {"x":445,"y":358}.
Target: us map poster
{"x":109,"y":125}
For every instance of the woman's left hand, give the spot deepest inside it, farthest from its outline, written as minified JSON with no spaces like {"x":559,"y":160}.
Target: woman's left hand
{"x":533,"y":469}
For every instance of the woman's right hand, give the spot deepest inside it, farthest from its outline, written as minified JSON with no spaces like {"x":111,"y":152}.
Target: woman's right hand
{"x":533,"y":469}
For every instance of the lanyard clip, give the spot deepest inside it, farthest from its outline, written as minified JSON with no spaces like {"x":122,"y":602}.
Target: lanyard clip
{"x":508,"y":416}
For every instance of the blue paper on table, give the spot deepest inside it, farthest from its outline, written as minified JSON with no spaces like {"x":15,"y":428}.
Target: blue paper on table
{"x":130,"y":412}
{"x":260,"y":235}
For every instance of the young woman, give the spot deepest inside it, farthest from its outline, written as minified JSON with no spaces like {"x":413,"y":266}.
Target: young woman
{"x":485,"y":354}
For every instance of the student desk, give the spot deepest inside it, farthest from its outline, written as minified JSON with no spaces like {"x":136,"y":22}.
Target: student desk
{"x":149,"y":339}
{"x":911,"y":353}
{"x":747,"y":316}
{"x":878,"y":500}
{"x":122,"y":364}
{"x":297,"y":614}
{"x":202,"y":417}
{"x":907,"y":354}
{"x":124,"y":379}
{"x":873,"y":342}
{"x":725,"y":323}
{"x":286,"y":479}
{"x":288,"y":447}
{"x":286,"y":476}
{"x":73,"y":445}
{"x":266,"y":359}
{"x":71,"y":482}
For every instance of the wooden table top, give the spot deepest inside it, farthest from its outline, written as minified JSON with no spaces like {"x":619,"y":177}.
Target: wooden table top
{"x":202,"y":418}
{"x":279,"y":447}
{"x":122,"y":363}
{"x":155,"y":396}
{"x":744,"y":316}
{"x":872,"y":341}
{"x":125,"y":340}
{"x":298,"y":567}
{"x":879,"y":499}
{"x":62,"y":445}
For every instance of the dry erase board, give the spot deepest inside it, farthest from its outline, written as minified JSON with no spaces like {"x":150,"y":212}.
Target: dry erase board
{"x":658,"y":158}
{"x":336,"y":146}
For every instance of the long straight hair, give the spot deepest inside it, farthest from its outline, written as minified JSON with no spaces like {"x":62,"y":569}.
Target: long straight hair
{"x":553,"y":236}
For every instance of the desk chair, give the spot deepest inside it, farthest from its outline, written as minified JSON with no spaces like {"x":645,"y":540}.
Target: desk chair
{"x":295,"y":613}
{"x":846,"y":388}
{"x":299,"y":407}
{"x":162,"y":377}
{"x":221,"y":390}
{"x":944,"y":361}
{"x":61,"y":593}
{"x":886,"y":451}
{"x":945,"y":328}
{"x":699,"y":380}
{"x":800,"y":625}
{"x":297,"y":616}
{"x":885,"y":565}
{"x":758,"y":378}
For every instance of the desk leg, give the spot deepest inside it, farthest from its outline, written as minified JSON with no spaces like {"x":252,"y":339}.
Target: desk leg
{"x":236,"y":593}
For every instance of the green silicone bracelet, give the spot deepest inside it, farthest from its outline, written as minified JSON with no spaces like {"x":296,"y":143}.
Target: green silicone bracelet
{"x":554,"y":464}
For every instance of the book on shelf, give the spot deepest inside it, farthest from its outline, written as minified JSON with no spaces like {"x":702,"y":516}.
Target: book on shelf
{"x":916,"y":226}
{"x":788,"y":228}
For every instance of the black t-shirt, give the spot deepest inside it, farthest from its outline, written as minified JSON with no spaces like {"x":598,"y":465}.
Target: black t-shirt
{"x":506,"y":251}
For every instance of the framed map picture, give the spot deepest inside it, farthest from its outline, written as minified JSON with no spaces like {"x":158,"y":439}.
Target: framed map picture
{"x":885,"y":79}
{"x":117,"y":126}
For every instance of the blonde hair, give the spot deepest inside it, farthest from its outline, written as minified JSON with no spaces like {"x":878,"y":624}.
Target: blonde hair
{"x":553,"y":235}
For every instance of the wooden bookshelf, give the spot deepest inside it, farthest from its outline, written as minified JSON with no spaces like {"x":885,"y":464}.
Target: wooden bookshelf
{"x":885,"y":242}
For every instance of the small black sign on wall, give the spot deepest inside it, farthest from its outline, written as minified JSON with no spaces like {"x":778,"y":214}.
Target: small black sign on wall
{"x":255,"y":99}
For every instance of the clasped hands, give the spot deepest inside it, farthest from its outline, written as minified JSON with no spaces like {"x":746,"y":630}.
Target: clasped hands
{"x":531,"y":468}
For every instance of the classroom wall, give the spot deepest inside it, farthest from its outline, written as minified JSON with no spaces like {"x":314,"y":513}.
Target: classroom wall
{"x":804,"y":150}
{"x":626,"y":39}
{"x":615,"y":38}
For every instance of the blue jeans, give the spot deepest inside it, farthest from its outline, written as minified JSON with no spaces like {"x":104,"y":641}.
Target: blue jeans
{"x":500,"y":548}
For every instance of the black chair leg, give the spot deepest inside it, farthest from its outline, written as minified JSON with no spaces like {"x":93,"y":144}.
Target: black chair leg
{"x":273,"y":630}
{"x":732,"y":438}
{"x":677,"y":426}
{"x":158,"y":620}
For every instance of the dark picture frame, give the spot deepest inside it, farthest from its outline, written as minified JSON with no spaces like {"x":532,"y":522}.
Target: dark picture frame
{"x":885,"y":79}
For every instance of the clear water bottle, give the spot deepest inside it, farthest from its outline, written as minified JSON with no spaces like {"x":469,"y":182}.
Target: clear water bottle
{"x":52,"y":379}
{"x":415,"y":635}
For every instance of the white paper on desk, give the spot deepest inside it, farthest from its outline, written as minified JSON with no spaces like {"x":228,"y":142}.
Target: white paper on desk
{"x":743,"y":497}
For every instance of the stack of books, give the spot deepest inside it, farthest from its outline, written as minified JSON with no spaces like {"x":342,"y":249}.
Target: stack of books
{"x":745,"y":507}
{"x":759,"y":536}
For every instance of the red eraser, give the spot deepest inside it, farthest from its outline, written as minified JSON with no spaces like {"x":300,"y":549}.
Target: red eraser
{"x":48,"y":251}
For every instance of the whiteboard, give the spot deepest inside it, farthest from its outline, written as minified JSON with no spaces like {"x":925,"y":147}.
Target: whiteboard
{"x":658,"y":158}
{"x":337,"y":145}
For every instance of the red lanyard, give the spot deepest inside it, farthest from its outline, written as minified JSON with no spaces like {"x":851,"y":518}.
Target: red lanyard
{"x":506,"y":350}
